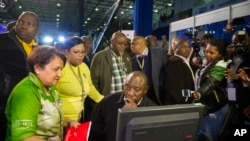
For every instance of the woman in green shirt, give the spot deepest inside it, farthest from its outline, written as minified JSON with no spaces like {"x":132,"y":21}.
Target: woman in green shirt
{"x":34,"y":109}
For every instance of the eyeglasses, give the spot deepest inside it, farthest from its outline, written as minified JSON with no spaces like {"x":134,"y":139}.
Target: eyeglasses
{"x":76,"y":52}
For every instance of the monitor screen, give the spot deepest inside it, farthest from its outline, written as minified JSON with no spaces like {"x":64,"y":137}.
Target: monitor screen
{"x":160,"y":123}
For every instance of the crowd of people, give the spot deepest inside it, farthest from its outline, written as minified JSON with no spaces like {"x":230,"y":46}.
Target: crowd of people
{"x":46,"y":89}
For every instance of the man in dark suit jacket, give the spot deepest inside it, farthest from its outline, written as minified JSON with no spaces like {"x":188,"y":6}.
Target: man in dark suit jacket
{"x":179,"y":76}
{"x":153,"y":64}
{"x":88,"y":103}
{"x":88,"y":49}
{"x":104,"y":117}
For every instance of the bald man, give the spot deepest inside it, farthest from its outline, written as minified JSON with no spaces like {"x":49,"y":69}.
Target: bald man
{"x":152,"y":62}
{"x":110,"y":66}
{"x":179,"y":63}
{"x":104,"y":116}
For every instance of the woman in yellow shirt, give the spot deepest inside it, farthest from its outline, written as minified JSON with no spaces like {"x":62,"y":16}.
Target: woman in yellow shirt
{"x":75,"y":83}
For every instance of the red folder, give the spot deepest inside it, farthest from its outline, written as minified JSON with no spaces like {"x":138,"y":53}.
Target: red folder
{"x":81,"y":133}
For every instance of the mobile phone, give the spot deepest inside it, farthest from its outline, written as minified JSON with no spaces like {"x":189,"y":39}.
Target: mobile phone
{"x":186,"y":93}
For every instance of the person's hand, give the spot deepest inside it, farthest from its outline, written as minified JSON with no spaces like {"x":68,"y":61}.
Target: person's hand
{"x":73,"y":124}
{"x":196,"y":96}
{"x":246,"y":112}
{"x":243,"y":75}
{"x":231,"y":75}
{"x":196,"y":61}
{"x":130,"y":103}
{"x":229,"y":26}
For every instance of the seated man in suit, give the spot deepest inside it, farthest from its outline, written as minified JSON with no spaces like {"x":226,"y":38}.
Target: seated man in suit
{"x":104,"y":116}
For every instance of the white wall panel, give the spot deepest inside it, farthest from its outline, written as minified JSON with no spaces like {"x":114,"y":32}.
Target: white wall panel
{"x":212,"y":17}
{"x":233,"y":11}
{"x":241,"y":9}
{"x":182,"y":24}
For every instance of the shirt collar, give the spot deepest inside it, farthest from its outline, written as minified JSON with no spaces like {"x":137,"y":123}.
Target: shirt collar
{"x":144,"y":53}
{"x":183,"y":58}
{"x":32,"y":43}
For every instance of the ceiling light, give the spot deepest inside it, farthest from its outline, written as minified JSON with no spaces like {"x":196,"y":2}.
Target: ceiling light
{"x":156,"y":10}
{"x":122,"y":12}
{"x":2,"y":5}
{"x":57,"y":15}
{"x":58,"y":4}
{"x":130,"y":6}
{"x":169,"y":4}
{"x":20,"y":7}
{"x":88,"y":19}
{"x":61,"y":38}
{"x":96,"y":9}
{"x":48,"y":39}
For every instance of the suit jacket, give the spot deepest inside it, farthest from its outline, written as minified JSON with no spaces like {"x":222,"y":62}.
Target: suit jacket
{"x":104,"y":116}
{"x":12,"y":59}
{"x":12,"y":70}
{"x":242,"y":92}
{"x":178,"y":77}
{"x":101,"y":69}
{"x":157,"y":60}
{"x":87,"y":60}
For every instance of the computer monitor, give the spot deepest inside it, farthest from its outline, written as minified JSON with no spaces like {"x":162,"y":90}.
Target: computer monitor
{"x":160,"y":123}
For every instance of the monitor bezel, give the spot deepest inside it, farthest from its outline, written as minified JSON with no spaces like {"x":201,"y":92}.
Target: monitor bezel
{"x":125,"y":115}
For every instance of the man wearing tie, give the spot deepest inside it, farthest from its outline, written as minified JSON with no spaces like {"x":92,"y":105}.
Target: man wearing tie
{"x":151,"y":61}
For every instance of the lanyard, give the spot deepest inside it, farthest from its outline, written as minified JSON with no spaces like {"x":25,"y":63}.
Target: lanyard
{"x":120,"y":62}
{"x":78,"y":77}
{"x":140,"y":63}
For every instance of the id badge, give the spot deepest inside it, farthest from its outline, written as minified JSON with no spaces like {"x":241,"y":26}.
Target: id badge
{"x":231,"y":94}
